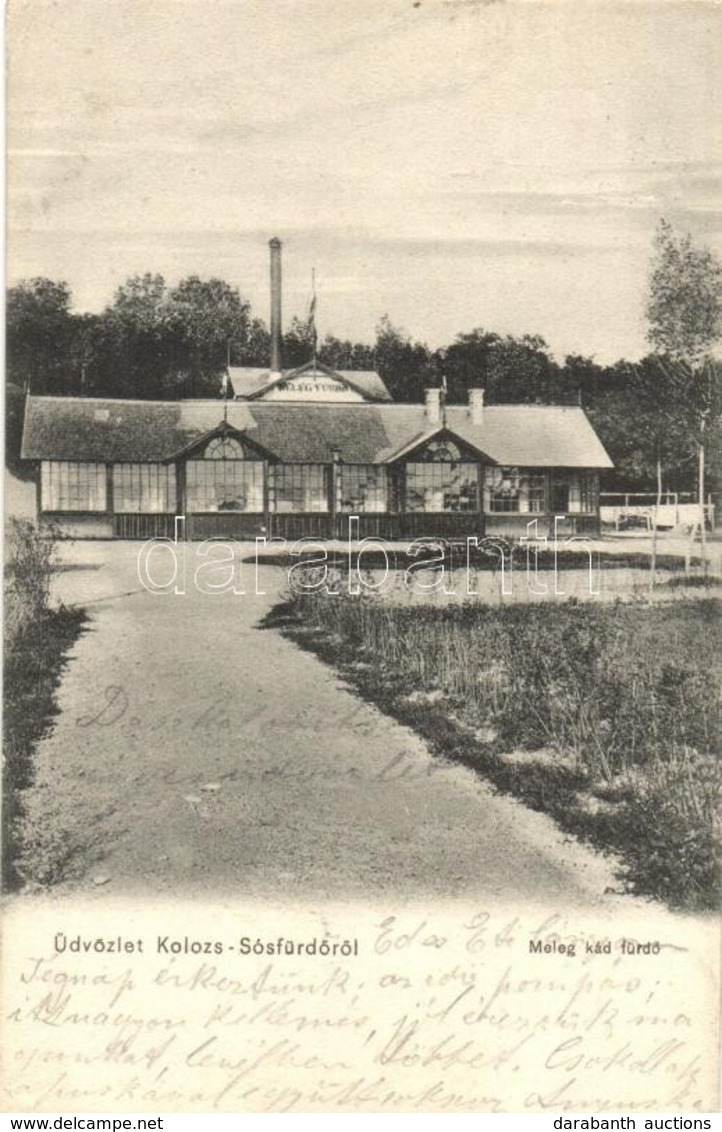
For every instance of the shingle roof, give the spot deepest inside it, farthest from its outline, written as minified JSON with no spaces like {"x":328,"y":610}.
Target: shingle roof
{"x":79,"y":428}
{"x":542,"y":436}
{"x":75,"y":428}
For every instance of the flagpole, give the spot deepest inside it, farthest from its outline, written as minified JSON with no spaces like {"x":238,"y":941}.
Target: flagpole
{"x":312,"y":319}
{"x":227,"y":381}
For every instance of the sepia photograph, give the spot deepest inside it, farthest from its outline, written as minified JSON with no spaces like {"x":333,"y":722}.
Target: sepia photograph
{"x":362,"y":652}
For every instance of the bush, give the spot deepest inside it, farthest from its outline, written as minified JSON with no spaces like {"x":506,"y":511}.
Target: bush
{"x":37,"y":636}
{"x":28,"y":570}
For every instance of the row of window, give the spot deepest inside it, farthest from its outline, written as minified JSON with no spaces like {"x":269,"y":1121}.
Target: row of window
{"x":72,"y":487}
{"x":238,"y":485}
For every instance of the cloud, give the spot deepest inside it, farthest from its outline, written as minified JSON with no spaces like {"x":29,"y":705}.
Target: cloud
{"x":482,"y":248}
{"x":517,"y":155}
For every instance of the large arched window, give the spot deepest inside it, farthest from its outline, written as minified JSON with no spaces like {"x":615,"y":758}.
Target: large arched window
{"x":224,"y":480}
{"x":224,"y":448}
{"x":441,"y":452}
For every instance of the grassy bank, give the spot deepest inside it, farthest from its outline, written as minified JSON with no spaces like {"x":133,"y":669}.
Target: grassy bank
{"x":459,"y":557}
{"x":37,"y":637}
{"x":606,"y":717}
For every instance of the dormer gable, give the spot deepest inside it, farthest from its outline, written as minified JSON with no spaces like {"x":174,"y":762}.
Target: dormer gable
{"x":224,"y":442}
{"x":313,"y":381}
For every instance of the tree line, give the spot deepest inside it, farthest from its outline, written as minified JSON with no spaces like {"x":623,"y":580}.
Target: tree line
{"x":159,"y":342}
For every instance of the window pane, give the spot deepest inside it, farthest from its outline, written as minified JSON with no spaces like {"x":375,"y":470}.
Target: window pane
{"x":515,"y":490}
{"x":224,"y":485}
{"x":298,"y":487}
{"x":223,"y":448}
{"x":442,"y":487}
{"x":588,"y":493}
{"x":70,"y":486}
{"x":442,"y":451}
{"x":144,"y":488}
{"x":578,"y":489}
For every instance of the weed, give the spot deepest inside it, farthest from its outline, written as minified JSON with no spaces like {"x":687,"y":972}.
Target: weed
{"x":37,"y":636}
{"x":626,"y":697}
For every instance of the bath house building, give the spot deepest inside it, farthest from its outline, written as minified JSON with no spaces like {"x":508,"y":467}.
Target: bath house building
{"x":291,"y":467}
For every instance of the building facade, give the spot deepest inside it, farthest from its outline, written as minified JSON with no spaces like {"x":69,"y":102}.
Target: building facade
{"x":298,"y":454}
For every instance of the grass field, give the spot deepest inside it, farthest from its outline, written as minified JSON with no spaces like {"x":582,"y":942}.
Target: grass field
{"x":605,"y":716}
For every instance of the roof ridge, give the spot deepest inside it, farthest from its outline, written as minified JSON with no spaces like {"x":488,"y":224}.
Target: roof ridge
{"x":109,"y":400}
{"x":517,"y":405}
{"x":145,"y":430}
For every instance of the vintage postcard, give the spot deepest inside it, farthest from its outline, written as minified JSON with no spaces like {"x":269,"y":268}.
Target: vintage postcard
{"x":363,"y":557}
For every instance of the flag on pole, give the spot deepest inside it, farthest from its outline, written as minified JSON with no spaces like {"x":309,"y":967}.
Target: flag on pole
{"x":227,"y":390}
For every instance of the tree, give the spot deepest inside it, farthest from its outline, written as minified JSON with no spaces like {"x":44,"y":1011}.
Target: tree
{"x":583,"y":381}
{"x":684,"y":306}
{"x":45,"y":348}
{"x":405,"y":366}
{"x":467,"y":363}
{"x":344,"y":354}
{"x":623,"y":402}
{"x":210,"y":323}
{"x":256,"y":349}
{"x":156,"y":342}
{"x":40,"y":334}
{"x":129,"y":348}
{"x":297,"y":343}
{"x":509,"y":369}
{"x":684,"y":322}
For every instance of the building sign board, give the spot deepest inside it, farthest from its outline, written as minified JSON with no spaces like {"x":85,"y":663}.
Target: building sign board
{"x":312,"y":387}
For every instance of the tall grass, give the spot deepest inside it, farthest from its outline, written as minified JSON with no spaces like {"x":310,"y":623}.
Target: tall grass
{"x":36,"y":637}
{"x":627,"y":696}
{"x":28,"y":568}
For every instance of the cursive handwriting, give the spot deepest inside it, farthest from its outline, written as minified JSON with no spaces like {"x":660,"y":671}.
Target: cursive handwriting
{"x":436,"y":1013}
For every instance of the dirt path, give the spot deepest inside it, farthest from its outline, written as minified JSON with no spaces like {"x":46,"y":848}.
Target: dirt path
{"x":196,"y":753}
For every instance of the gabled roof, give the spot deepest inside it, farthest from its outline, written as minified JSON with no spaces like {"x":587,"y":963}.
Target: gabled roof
{"x":250,"y":382}
{"x":78,"y":428}
{"x":223,"y":428}
{"x":363,"y":433}
{"x":433,"y":432}
{"x":542,"y":436}
{"x":112,"y":430}
{"x":248,"y":379}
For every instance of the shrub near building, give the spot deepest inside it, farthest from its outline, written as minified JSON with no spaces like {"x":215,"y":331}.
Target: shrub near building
{"x":36,"y":638}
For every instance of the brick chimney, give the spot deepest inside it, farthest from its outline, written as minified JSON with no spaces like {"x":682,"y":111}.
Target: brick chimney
{"x":432,"y":399}
{"x":276,"y":331}
{"x":476,"y":406}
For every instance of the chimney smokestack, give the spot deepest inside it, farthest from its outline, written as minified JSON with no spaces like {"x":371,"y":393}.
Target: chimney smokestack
{"x":276,"y":360}
{"x":432,"y":399}
{"x":476,"y":405}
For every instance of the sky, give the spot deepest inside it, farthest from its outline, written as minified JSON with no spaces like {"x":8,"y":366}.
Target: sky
{"x":450,"y":163}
